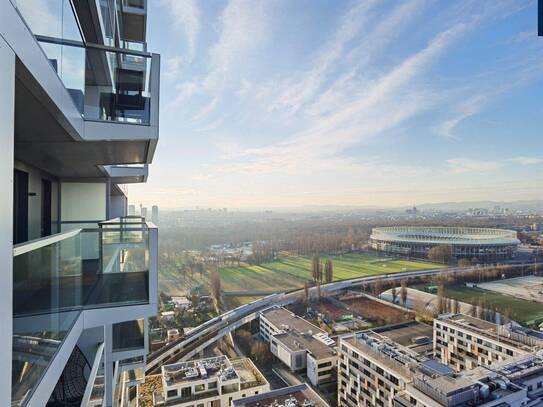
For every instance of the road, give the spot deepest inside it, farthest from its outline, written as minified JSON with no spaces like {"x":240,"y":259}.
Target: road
{"x":214,"y":329}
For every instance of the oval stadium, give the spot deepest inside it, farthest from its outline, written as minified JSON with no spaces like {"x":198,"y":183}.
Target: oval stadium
{"x":484,"y":244}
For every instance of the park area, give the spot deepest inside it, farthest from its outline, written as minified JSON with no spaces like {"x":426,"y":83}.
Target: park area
{"x":293,"y":271}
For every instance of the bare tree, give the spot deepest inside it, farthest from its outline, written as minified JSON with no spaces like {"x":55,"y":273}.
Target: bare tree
{"x":394,"y":294}
{"x":403,"y":292}
{"x":215,"y":283}
{"x":441,"y":253}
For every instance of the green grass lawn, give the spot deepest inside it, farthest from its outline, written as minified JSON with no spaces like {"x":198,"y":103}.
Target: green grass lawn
{"x":291,"y":272}
{"x":520,"y":310}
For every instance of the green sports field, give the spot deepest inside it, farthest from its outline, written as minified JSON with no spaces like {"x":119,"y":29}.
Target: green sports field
{"x":291,"y":272}
{"x":525,"y":312}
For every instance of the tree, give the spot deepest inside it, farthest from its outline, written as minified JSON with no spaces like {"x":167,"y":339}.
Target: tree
{"x":403,"y":292}
{"x":441,"y":301}
{"x":316,"y":268}
{"x":394,"y":294}
{"x":378,"y":286}
{"x":456,"y":306}
{"x":319,"y":291}
{"x":215,"y":283}
{"x":328,"y":271}
{"x":464,"y":263}
{"x":306,"y":292}
{"x":441,"y":253}
{"x":260,"y":352}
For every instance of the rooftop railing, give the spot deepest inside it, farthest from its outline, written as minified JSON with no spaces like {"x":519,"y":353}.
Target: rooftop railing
{"x":57,"y":277}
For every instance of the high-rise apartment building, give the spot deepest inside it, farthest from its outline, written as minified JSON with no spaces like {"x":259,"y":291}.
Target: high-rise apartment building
{"x":465,"y":342}
{"x":78,"y":120}
{"x":131,"y":210}
{"x":144,"y":212}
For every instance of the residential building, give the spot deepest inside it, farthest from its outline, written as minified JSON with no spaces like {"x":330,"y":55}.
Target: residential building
{"x":376,"y":371}
{"x":211,"y":382}
{"x":78,"y":119}
{"x":300,"y":395}
{"x":372,"y":369}
{"x":478,"y":387}
{"x":143,"y":211}
{"x":299,"y":344}
{"x":465,"y":342}
{"x":131,"y":210}
{"x":525,"y":371}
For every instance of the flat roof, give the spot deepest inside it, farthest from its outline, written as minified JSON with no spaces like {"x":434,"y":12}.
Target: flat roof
{"x":299,"y":395}
{"x":412,"y":334}
{"x":297,"y":341}
{"x":281,"y":317}
{"x":248,"y":373}
{"x":203,"y":369}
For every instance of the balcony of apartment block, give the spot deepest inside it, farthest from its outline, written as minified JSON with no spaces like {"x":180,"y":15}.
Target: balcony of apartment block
{"x":133,"y":20}
{"x":65,"y":283}
{"x":104,"y":93}
{"x":127,"y":174}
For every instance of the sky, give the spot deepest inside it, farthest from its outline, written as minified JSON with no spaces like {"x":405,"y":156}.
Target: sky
{"x":291,"y":103}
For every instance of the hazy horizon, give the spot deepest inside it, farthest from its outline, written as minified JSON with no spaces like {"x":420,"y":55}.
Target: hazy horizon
{"x":288,"y":104}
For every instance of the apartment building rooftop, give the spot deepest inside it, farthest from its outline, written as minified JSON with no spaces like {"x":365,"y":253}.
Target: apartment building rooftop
{"x":286,"y":320}
{"x":411,"y":334}
{"x":249,"y":375}
{"x":297,"y":341}
{"x":387,"y":352}
{"x":510,"y":334}
{"x":294,"y":396}
{"x":522,"y":368}
{"x":183,"y":372}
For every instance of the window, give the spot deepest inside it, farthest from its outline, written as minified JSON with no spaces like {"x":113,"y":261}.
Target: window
{"x":186,"y":392}
{"x":199,"y":387}
{"x":172,"y":393}
{"x":212,"y":385}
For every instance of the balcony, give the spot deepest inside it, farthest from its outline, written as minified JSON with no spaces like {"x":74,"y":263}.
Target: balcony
{"x":102,"y":99}
{"x":57,"y":278}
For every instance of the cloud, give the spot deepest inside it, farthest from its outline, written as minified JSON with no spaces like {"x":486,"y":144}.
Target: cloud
{"x":186,"y":15}
{"x":464,"y":165}
{"x":527,"y":160}
{"x":173,"y":67}
{"x":465,"y":110}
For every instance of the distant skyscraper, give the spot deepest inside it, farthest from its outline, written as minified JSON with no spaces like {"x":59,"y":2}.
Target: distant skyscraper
{"x":131,"y":210}
{"x":144,"y":212}
{"x":154,"y":214}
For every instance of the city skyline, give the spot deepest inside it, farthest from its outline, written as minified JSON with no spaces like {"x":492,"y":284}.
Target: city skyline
{"x":285,"y":104}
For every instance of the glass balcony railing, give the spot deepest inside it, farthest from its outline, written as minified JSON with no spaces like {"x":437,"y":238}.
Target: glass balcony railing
{"x":105,"y":83}
{"x":57,"y":277}
{"x":128,"y":335}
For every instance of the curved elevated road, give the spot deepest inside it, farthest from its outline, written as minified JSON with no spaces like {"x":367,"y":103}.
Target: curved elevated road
{"x":214,"y":329}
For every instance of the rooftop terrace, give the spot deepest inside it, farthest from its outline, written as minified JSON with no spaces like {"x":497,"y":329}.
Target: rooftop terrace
{"x":295,"y":396}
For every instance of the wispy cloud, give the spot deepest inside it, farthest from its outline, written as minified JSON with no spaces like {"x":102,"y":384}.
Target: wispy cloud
{"x":173,"y":67}
{"x":465,"y":110}
{"x":523,"y":160}
{"x":463,"y":165}
{"x":186,"y":15}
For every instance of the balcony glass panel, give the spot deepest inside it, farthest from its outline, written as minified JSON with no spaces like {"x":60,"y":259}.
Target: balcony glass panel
{"x":117,"y":86}
{"x":129,"y":335}
{"x":55,"y":20}
{"x":55,"y":278}
{"x":134,"y":3}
